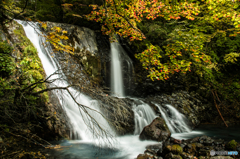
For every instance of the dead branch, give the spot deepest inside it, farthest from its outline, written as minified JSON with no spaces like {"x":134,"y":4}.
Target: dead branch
{"x":218,"y":108}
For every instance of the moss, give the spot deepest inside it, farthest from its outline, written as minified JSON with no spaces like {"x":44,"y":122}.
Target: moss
{"x":30,"y":62}
{"x":231,"y":145}
{"x":177,"y":149}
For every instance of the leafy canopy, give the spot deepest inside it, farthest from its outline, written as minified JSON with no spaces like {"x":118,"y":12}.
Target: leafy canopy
{"x":186,"y":43}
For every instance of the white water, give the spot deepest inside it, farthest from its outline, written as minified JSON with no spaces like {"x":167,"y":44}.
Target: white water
{"x":79,"y":120}
{"x":116,"y":72}
{"x":143,"y":116}
{"x":175,"y":121}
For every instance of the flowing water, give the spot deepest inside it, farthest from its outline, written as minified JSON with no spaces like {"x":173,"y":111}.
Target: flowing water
{"x":116,"y":71}
{"x":176,"y":122}
{"x":143,"y":116}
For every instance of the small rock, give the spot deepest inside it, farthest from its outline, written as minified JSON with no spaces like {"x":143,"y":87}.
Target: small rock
{"x":157,"y":148}
{"x":143,"y":156}
{"x":176,"y":141}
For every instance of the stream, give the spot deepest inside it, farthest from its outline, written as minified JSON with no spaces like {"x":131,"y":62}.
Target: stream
{"x":129,"y":147}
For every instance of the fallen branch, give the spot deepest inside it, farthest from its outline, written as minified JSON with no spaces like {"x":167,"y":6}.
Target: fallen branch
{"x":218,"y":108}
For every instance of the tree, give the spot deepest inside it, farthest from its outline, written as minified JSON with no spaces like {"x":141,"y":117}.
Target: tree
{"x":185,"y":45}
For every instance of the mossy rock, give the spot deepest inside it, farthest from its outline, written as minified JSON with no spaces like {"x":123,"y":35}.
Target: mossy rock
{"x":231,"y":145}
{"x":177,"y":149}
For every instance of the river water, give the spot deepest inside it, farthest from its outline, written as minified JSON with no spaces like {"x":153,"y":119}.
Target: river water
{"x":129,"y":150}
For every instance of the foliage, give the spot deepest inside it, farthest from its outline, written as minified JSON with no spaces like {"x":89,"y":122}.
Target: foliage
{"x":196,"y":24}
{"x":6,"y":61}
{"x":56,"y":36}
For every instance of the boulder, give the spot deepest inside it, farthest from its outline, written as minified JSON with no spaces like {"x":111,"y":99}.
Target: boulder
{"x":157,"y":131}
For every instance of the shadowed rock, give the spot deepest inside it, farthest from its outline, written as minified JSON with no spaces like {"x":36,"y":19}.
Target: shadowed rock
{"x":157,"y":131}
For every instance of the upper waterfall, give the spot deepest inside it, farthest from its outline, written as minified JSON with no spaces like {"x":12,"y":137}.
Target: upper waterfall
{"x":116,"y":71}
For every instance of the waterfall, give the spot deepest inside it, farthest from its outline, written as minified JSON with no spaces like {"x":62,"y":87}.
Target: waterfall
{"x":143,"y":116}
{"x":80,"y":122}
{"x":176,"y":122}
{"x":116,"y":72}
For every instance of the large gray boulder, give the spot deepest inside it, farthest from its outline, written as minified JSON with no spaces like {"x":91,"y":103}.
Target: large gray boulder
{"x":157,"y":131}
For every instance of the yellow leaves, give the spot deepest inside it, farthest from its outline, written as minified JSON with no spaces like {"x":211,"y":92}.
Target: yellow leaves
{"x":56,"y":36}
{"x":44,"y":25}
{"x":64,"y":32}
{"x":58,"y":29}
{"x":231,"y":57}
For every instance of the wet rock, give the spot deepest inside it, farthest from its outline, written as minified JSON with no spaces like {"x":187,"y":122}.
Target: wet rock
{"x":155,"y":149}
{"x":157,"y":131}
{"x":143,"y":156}
{"x":150,"y":152}
{"x":207,"y":141}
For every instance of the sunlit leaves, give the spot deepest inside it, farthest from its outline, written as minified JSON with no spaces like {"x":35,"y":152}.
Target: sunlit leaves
{"x":120,"y":17}
{"x":56,"y":36}
{"x":231,"y":57}
{"x":186,"y":46}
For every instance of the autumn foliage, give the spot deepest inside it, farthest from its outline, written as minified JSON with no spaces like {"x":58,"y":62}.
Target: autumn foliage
{"x":186,"y":48}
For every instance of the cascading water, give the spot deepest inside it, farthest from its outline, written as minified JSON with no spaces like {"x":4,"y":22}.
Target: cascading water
{"x":116,"y":72}
{"x":175,"y":121}
{"x":78,"y":118}
{"x":143,"y":116}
